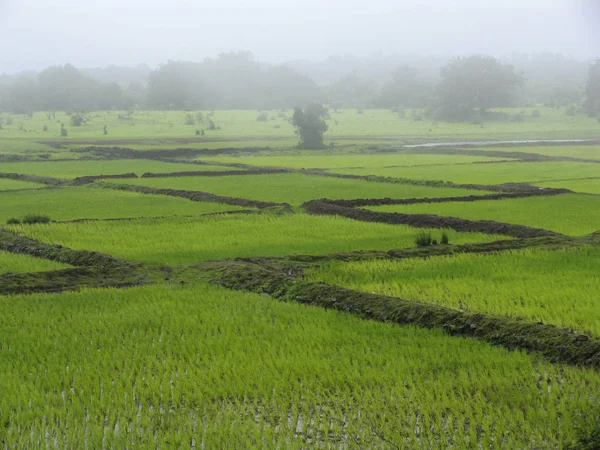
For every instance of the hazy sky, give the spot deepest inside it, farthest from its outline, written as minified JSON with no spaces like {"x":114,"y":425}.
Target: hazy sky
{"x":87,"y":33}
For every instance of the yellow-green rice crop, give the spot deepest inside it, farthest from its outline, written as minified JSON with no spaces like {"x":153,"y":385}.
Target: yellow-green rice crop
{"x":71,"y":203}
{"x":346,"y":161}
{"x":16,"y":263}
{"x":591,"y":186}
{"x":202,"y":367}
{"x":572,"y":214}
{"x":295,"y":188}
{"x":557,"y":287}
{"x":508,"y":172}
{"x":186,"y":240}
{"x":11,"y":185}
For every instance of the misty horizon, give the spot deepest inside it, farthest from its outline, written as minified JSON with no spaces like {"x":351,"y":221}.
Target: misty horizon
{"x":90,"y":35}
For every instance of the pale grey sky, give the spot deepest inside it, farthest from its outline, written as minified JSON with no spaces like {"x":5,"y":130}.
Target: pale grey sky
{"x":88,"y":33}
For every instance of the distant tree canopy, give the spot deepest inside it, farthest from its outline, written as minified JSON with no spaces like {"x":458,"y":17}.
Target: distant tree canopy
{"x":310,"y":125}
{"x":405,"y":89}
{"x":592,"y":90}
{"x":231,"y":81}
{"x":474,"y":85}
{"x":351,"y":91}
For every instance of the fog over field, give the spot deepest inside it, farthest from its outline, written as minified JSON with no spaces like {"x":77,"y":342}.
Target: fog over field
{"x":86,"y":33}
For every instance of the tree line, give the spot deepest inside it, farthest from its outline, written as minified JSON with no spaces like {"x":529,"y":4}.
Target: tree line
{"x":465,"y":88}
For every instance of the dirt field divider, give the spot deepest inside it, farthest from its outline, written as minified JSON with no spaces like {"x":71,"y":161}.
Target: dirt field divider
{"x":556,"y":344}
{"x":324,"y":207}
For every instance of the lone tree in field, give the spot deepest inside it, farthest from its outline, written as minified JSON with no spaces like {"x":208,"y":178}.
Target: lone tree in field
{"x":592,"y":91}
{"x":310,"y":125}
{"x":472,"y":85}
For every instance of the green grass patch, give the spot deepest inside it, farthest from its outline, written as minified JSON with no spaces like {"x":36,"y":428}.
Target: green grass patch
{"x":70,"y":203}
{"x":186,"y":240}
{"x":548,"y":286}
{"x":206,"y":365}
{"x":591,"y":186}
{"x":296,"y":188}
{"x":509,"y":172}
{"x":73,"y":169}
{"x":570,"y":214}
{"x":17,"y":263}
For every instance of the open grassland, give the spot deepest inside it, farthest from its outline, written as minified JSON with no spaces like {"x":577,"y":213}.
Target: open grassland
{"x":557,"y":287}
{"x":591,"y":152}
{"x":73,"y":169}
{"x":12,"y":185}
{"x":590,"y":186}
{"x":15,"y":263}
{"x":509,"y":172}
{"x":202,"y":367}
{"x":344,"y":161}
{"x":72,"y":203}
{"x":187,"y":240}
{"x":157,"y":125}
{"x":571,"y":214}
{"x":296,"y":188}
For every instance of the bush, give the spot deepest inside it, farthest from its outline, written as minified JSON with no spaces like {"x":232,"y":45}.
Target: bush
{"x":536,"y":114}
{"x":199,"y":132}
{"x":571,"y":111}
{"x":63,"y":132}
{"x":13,"y":221}
{"x":262,"y":117}
{"x":423,"y":239}
{"x":212,"y":125}
{"x":77,"y":120}
{"x":445,"y":240}
{"x":45,"y":128}
{"x":105,"y":130}
{"x":189,"y":119}
{"x":35,"y":218}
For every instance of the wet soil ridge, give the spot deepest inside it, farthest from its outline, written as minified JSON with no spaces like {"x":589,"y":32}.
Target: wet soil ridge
{"x":196,"y":196}
{"x":127,"y":153}
{"x":15,"y":243}
{"x":65,"y":280}
{"x":556,"y":344}
{"x":33,"y":178}
{"x":296,"y":262}
{"x":508,"y":187}
{"x":134,"y":219}
{"x":320,"y":207}
{"x":91,"y":178}
{"x":223,"y":173}
{"x":469,"y":198}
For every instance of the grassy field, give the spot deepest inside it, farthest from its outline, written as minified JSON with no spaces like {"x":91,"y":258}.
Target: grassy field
{"x":187,"y":240}
{"x":15,"y":263}
{"x":13,"y":185}
{"x":175,"y":367}
{"x":372,"y":124}
{"x":295,"y":188}
{"x":552,"y":287}
{"x":509,"y":172}
{"x":334,"y":161}
{"x":73,"y":169}
{"x":571,"y":214}
{"x":71,"y":203}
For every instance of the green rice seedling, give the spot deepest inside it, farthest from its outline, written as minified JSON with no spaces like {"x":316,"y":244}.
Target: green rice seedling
{"x":571,"y":214}
{"x":549,"y":286}
{"x":16,"y":263}
{"x":423,"y":239}
{"x":180,"y":240}
{"x":171,"y":366}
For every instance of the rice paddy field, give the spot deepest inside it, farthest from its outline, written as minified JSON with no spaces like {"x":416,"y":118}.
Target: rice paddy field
{"x":237,"y":311}
{"x":296,"y":188}
{"x":571,"y":214}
